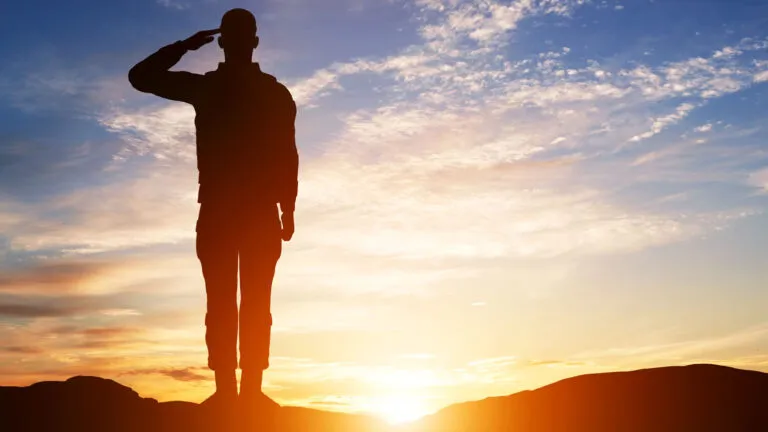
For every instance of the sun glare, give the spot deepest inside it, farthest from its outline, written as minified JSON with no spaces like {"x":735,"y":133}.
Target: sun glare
{"x":401,"y":409}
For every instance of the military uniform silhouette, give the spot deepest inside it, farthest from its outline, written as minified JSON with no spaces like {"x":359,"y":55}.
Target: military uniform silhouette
{"x":248,"y":163}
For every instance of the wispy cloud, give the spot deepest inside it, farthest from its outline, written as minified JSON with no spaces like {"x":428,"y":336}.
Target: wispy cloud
{"x":660,"y":123}
{"x":419,"y":147}
{"x":683,"y":351}
{"x":173,"y":4}
{"x":759,"y":179}
{"x":189,"y":374}
{"x":52,"y":277}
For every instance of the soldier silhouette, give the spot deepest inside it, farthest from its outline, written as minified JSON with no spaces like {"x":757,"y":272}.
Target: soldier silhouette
{"x":248,"y":164}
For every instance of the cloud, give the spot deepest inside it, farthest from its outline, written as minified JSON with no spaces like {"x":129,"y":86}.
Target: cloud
{"x":316,"y":86}
{"x":117,"y":215}
{"x":174,"y":4}
{"x":759,"y":179}
{"x":498,"y":369}
{"x":92,"y":344}
{"x":108,"y":332}
{"x":120,"y":312}
{"x":447,"y":149}
{"x":388,"y":133}
{"x":452,"y":32}
{"x":52,"y":86}
{"x":761,"y":76}
{"x":66,"y":304}
{"x":557,"y":363}
{"x":325,"y":403}
{"x":682,"y":351}
{"x":20,"y":310}
{"x":188,"y":374}
{"x":21,"y":350}
{"x":485,"y":22}
{"x":661,"y":123}
{"x":110,"y":338}
{"x":165,"y":132}
{"x":56,"y":276}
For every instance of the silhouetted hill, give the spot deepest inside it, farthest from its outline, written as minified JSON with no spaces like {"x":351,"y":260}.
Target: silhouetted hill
{"x":95,"y":404}
{"x":691,"y":398}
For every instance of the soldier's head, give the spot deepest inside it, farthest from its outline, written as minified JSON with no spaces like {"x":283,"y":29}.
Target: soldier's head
{"x":238,"y":33}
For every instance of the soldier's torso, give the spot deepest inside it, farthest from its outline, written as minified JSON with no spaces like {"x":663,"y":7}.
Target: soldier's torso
{"x":235,"y":115}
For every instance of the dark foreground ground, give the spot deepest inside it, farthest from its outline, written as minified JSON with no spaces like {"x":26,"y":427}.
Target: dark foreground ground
{"x":688,"y":398}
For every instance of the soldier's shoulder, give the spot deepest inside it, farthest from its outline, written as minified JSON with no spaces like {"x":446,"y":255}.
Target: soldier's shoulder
{"x":277,"y":85}
{"x":269,"y":77}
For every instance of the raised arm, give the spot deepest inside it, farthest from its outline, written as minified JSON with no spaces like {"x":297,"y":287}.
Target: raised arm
{"x":152,"y":74}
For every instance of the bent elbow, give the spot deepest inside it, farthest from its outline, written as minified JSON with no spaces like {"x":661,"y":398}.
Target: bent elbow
{"x":138,"y":80}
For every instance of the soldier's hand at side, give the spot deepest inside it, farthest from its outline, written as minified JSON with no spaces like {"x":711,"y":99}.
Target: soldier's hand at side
{"x":199,"y":39}
{"x":288,"y":226}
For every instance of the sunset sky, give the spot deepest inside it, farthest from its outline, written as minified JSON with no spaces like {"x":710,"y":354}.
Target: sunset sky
{"x":493,"y":195}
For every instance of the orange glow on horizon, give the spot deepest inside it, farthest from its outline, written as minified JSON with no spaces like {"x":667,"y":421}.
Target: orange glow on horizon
{"x":400,"y":409}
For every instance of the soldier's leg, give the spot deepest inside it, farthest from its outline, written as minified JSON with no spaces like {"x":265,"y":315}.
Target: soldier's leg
{"x":260,"y":249}
{"x":217,"y":251}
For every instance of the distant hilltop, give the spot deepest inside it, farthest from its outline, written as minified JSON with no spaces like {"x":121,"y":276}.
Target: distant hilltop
{"x":691,"y":398}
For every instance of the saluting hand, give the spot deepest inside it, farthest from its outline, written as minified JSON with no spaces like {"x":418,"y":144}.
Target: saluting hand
{"x":199,"y":39}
